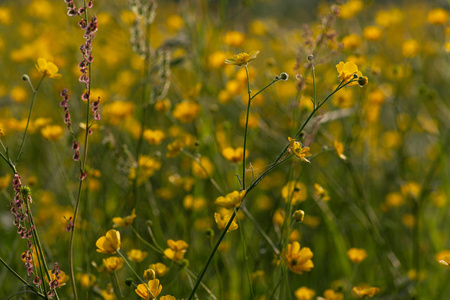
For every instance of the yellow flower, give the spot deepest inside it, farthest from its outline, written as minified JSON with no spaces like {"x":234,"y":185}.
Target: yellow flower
{"x":234,"y":155}
{"x":136,"y":255}
{"x":154,"y":137}
{"x":347,"y":71}
{"x":19,"y":94}
{"x":86,"y":280}
{"x":186,"y":111}
{"x":352,"y":41}
{"x":242,"y":59}
{"x":52,"y":132}
{"x":109,"y":243}
{"x":443,"y":257}
{"x":2,"y":133}
{"x":298,"y":259}
{"x":410,"y":48}
{"x":176,"y":250}
{"x":162,"y":105}
{"x":350,"y":9}
{"x":332,"y":295}
{"x":63,"y":278}
{"x":203,"y":169}
{"x":321,"y":192}
{"x":445,"y":261}
{"x":437,"y":16}
{"x":372,"y":33}
{"x":303,"y":293}
{"x":159,"y":268}
{"x":108,"y":294}
{"x":124,"y":222}
{"x":356,"y":255}
{"x":167,"y":297}
{"x":231,"y":200}
{"x":222,"y":221}
{"x":217,"y":59}
{"x":234,"y":38}
{"x":298,"y":149}
{"x":295,"y":191}
{"x":4,"y":181}
{"x":365,"y":291}
{"x":48,"y":69}
{"x":113,"y":263}
{"x":154,"y":287}
{"x":339,"y":148}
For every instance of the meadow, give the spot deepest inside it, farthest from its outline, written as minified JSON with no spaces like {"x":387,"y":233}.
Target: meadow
{"x":213,"y":149}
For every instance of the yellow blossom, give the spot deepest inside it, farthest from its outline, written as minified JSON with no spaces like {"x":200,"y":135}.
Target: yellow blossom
{"x":234,"y":155}
{"x":231,"y":200}
{"x":86,"y":280}
{"x":298,"y":149}
{"x":294,"y":191}
{"x":356,"y":255}
{"x":136,"y":255}
{"x":162,"y":105}
{"x":174,"y":22}
{"x":350,"y":9}
{"x":19,"y":94}
{"x":332,"y":295}
{"x":347,"y":71}
{"x":365,"y":291}
{"x":217,"y":59}
{"x":339,"y":148}
{"x":52,"y":132}
{"x":154,"y":287}
{"x":48,"y":69}
{"x":186,"y":111}
{"x":234,"y":38}
{"x":203,"y":168}
{"x":410,"y":48}
{"x":109,"y":243}
{"x":304,"y":293}
{"x":153,"y":137}
{"x":126,"y":221}
{"x":167,"y":297}
{"x":443,"y":257}
{"x":159,"y":268}
{"x":298,"y":259}
{"x":320,"y":192}
{"x":113,"y":263}
{"x":63,"y":278}
{"x":372,"y":33}
{"x":176,"y":250}
{"x":437,"y":16}
{"x":242,"y":59}
{"x":222,"y":221}
{"x":4,"y":181}
{"x":352,"y":41}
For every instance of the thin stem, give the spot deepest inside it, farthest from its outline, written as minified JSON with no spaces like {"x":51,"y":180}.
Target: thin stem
{"x":29,"y":115}
{"x":244,"y":252}
{"x":116,"y":283}
{"x":72,"y":233}
{"x":246,"y":128}
{"x":135,"y":274}
{"x":157,"y":249}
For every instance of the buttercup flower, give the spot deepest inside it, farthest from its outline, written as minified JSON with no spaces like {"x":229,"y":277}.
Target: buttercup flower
{"x":242,"y":59}
{"x":48,"y":69}
{"x":234,"y":155}
{"x":339,"y":148}
{"x":298,"y":259}
{"x":113,"y":263}
{"x":332,"y":295}
{"x":298,"y":149}
{"x":154,"y":287}
{"x":222,"y":221}
{"x":124,"y":222}
{"x":365,"y":291}
{"x":231,"y":200}
{"x":437,"y":16}
{"x":303,"y":293}
{"x":159,"y":268}
{"x":176,"y":250}
{"x":347,"y":71}
{"x":356,"y":255}
{"x":109,"y":243}
{"x":136,"y":255}
{"x":167,"y":297}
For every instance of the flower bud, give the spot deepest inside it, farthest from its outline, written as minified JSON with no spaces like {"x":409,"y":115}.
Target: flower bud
{"x":298,"y":215}
{"x":149,"y":274}
{"x":310,"y":57}
{"x":363,"y":80}
{"x":284,"y":76}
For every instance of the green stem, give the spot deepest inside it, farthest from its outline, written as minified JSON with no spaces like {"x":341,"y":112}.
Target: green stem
{"x":157,"y":249}
{"x":29,"y":115}
{"x":116,"y":283}
{"x":244,"y":252}
{"x":135,"y":274}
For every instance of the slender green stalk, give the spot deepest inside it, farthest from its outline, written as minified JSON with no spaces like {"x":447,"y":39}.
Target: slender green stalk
{"x":244,"y":252}
{"x":116,"y":283}
{"x":216,"y":266}
{"x":135,"y":274}
{"x":157,"y":249}
{"x":29,"y":115}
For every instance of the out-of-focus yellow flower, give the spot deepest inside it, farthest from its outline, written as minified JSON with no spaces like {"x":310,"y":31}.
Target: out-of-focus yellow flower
{"x":222,"y":221}
{"x":108,"y":294}
{"x":217,"y":59}
{"x":242,"y":59}
{"x":115,"y":112}
{"x":339,"y":148}
{"x":203,"y":169}
{"x":356,"y":255}
{"x":278,"y":217}
{"x":159,"y":268}
{"x":113,"y":263}
{"x":19,"y":94}
{"x":411,"y":189}
{"x":2,"y":133}
{"x":154,"y":287}
{"x":5,"y":16}
{"x":234,"y":38}
{"x":347,"y":71}
{"x":136,"y":255}
{"x":332,"y":295}
{"x":162,"y":105}
{"x":409,"y":220}
{"x":176,"y":250}
{"x":320,"y":192}
{"x":447,"y":47}
{"x":253,"y":120}
{"x":109,"y":243}
{"x":437,"y":16}
{"x":298,"y":149}
{"x":443,"y":257}
{"x":154,"y":137}
{"x":352,"y":41}
{"x":186,"y":111}
{"x":297,"y":259}
{"x":52,"y":132}
{"x":258,"y":27}
{"x":231,"y":200}
{"x":350,"y":9}
{"x":234,"y":155}
{"x":4,"y":181}
{"x":63,"y":278}
{"x":295,"y":191}
{"x":167,"y":297}
{"x":86,"y":280}
{"x":174,"y":22}
{"x":388,"y":18}
{"x":48,"y":69}
{"x":304,"y":293}
{"x":410,"y":48}
{"x":394,"y":200}
{"x":365,"y":291}
{"x":126,"y":221}
{"x":372,"y":33}
{"x":194,"y":203}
